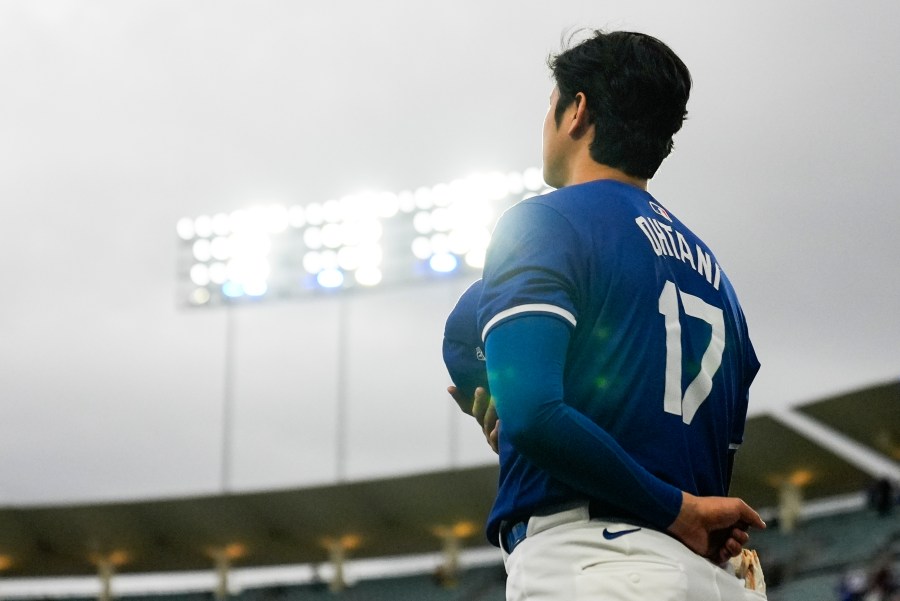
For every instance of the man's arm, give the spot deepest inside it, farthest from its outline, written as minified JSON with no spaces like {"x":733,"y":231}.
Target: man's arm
{"x":526,"y":358}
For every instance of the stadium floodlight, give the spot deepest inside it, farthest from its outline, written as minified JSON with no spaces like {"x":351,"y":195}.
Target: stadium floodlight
{"x":361,"y":240}
{"x":201,"y":249}
{"x":200,"y":274}
{"x":185,"y":228}
{"x":463,"y":239}
{"x":220,"y":248}
{"x":203,"y":226}
{"x":443,"y":262}
{"x":249,"y":244}
{"x":421,"y":248}
{"x":255,"y":288}
{"x":362,"y":232}
{"x":199,"y":296}
{"x":331,"y":235}
{"x":422,"y":222}
{"x":232,"y":289}
{"x":312,"y":262}
{"x":371,"y":255}
{"x":441,"y":219}
{"x":246,"y":270}
{"x":475,"y":258}
{"x":368,"y":276}
{"x":349,"y":258}
{"x":312,"y":237}
{"x":330,"y":278}
{"x":329,"y":259}
{"x":218,"y":273}
{"x":440,"y":244}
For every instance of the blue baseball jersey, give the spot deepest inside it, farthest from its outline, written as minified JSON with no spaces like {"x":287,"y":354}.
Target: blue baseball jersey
{"x":658,"y":355}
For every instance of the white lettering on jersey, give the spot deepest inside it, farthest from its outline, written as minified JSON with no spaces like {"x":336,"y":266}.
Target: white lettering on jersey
{"x":662,"y":241}
{"x":661,"y":236}
{"x":668,"y":230}
{"x":685,"y":249}
{"x":645,"y":227}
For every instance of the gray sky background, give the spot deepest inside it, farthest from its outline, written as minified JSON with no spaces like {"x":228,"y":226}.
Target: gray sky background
{"x":119,"y":118}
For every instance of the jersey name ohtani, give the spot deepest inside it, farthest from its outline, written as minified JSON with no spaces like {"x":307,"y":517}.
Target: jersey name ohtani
{"x":664,"y":242}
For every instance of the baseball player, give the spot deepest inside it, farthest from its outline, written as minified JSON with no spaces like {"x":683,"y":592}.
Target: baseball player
{"x":617,"y":354}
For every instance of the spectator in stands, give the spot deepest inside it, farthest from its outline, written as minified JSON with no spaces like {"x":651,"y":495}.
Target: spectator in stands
{"x":852,"y":586}
{"x":882,"y":584}
{"x":882,"y":496}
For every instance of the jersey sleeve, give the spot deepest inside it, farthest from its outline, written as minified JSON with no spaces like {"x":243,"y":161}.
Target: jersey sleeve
{"x":530,"y":268}
{"x":526,"y":359}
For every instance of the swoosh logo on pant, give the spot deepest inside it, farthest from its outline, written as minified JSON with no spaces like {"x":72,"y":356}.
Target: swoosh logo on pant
{"x":613,"y":535}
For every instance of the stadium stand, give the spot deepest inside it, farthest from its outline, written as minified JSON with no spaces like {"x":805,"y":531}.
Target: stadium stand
{"x":478,"y":584}
{"x":812,"y":588}
{"x":411,"y":515}
{"x":808,"y":563}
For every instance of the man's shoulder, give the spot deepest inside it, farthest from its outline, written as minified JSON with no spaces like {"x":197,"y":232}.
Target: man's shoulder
{"x":595,"y":196}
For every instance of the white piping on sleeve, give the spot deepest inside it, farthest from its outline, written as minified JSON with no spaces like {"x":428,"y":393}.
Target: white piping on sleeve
{"x":538,"y":308}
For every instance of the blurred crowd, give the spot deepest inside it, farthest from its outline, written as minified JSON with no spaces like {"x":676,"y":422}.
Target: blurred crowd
{"x":880,"y":582}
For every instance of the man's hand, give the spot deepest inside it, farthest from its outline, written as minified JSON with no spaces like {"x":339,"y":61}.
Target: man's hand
{"x":714,"y":527}
{"x":481,"y":407}
{"x":486,"y":414}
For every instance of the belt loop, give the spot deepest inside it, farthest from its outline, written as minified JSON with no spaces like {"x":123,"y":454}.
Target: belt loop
{"x":515,"y":535}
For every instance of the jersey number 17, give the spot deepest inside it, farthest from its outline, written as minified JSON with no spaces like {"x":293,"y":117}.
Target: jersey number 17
{"x":674,"y":401}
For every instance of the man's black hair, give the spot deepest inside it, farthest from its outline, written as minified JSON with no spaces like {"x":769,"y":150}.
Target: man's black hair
{"x":637,"y":91}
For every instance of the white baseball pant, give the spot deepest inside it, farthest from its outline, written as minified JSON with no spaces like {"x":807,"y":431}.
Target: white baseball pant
{"x":567,"y":556}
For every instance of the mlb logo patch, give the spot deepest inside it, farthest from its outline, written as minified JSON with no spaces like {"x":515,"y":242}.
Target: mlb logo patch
{"x":660,"y":211}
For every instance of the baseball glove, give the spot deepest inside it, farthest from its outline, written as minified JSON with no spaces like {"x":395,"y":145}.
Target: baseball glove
{"x":746,"y":567}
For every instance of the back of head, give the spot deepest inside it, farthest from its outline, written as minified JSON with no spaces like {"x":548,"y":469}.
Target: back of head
{"x":637,"y":91}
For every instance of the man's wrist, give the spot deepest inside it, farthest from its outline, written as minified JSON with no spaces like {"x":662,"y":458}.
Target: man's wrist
{"x":680,"y":524}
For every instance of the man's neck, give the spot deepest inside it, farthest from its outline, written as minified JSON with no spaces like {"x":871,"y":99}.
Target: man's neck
{"x":588,"y":170}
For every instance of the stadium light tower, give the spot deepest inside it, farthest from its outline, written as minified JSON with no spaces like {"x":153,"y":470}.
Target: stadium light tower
{"x":356,"y":242}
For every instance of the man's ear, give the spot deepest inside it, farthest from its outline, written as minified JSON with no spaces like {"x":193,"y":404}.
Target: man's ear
{"x":580,"y":122}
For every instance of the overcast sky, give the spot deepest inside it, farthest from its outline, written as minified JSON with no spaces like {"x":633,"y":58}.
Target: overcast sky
{"x":119,"y":118}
